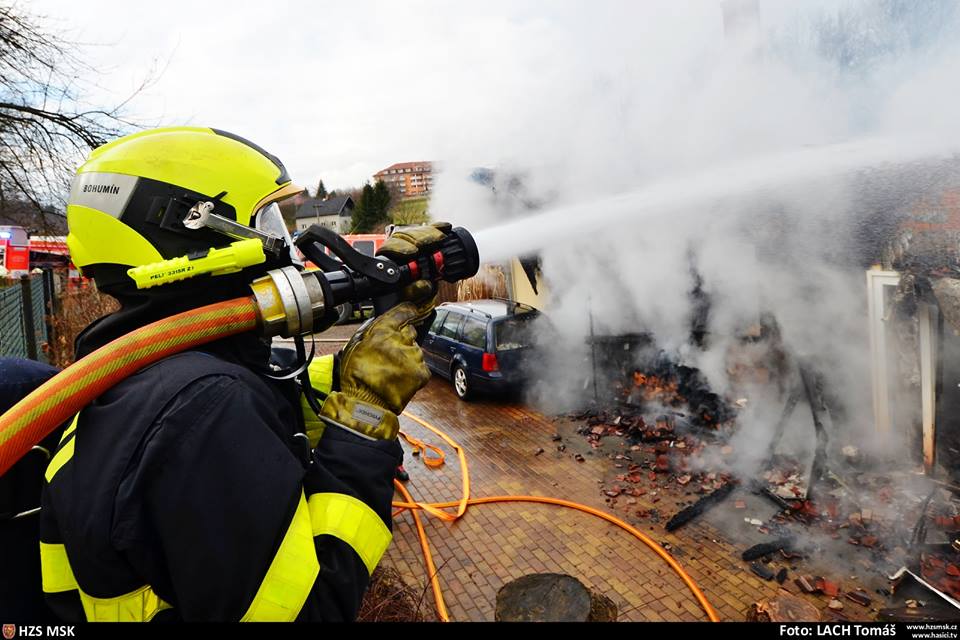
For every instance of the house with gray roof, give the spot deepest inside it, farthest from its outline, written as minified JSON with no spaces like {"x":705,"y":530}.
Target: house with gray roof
{"x":334,"y":213}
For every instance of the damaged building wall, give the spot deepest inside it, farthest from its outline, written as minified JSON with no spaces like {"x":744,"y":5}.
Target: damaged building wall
{"x":527,"y":285}
{"x":923,"y":331}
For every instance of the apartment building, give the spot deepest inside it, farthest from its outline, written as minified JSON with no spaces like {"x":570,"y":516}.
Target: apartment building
{"x":409,"y":179}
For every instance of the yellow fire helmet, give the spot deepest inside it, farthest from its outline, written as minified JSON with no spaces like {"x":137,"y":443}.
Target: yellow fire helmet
{"x":168,"y":204}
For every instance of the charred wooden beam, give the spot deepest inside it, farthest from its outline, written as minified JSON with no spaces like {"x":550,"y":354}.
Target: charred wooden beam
{"x":766,"y":548}
{"x":918,"y":535}
{"x":762,"y":571}
{"x":700,"y":506}
{"x":815,"y":400}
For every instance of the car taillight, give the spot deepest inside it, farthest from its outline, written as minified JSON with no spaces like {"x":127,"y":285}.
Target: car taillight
{"x":490,"y":362}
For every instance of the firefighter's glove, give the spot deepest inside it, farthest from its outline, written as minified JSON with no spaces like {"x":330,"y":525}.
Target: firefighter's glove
{"x":408,"y":244}
{"x":381,"y":368}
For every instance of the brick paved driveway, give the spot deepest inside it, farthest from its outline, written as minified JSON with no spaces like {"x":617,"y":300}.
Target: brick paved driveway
{"x":496,"y":543}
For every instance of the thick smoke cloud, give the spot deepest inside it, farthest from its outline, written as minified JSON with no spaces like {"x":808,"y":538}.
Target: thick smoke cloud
{"x":649,"y":137}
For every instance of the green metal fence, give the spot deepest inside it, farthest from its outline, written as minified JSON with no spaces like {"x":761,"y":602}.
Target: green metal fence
{"x":40,"y":309}
{"x":23,"y":318}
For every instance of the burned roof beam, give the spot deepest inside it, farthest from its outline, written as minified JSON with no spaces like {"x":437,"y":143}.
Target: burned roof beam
{"x":700,"y":506}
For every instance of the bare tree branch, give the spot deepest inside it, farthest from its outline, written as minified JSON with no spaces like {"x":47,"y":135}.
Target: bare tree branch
{"x":45,"y":125}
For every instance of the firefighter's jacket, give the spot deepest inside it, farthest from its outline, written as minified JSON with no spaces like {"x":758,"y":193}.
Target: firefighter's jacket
{"x":184,"y":493}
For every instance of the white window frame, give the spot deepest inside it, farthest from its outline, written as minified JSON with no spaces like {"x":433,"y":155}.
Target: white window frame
{"x":879,"y":285}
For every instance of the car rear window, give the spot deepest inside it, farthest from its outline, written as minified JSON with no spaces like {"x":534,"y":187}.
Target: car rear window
{"x":475,"y":332}
{"x":514,"y":333}
{"x":450,"y":324}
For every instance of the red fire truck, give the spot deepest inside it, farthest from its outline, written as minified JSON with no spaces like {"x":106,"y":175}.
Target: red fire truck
{"x":366,"y":243}
{"x":14,"y":250}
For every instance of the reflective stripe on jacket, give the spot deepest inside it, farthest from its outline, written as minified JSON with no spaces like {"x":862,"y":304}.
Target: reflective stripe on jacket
{"x":181,"y":494}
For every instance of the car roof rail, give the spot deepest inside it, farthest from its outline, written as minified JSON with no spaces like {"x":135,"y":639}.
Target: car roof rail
{"x":472,"y":310}
{"x":513,"y":305}
{"x":463,"y":307}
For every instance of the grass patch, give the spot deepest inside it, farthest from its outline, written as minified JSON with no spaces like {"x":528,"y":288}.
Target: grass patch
{"x":412,"y":211}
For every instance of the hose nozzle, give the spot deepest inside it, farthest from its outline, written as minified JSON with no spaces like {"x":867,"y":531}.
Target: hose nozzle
{"x":293,"y":302}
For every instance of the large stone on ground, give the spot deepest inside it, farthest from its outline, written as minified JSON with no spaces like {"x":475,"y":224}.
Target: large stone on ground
{"x":543,"y":597}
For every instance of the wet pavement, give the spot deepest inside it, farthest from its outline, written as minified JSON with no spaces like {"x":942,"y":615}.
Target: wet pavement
{"x":496,"y":543}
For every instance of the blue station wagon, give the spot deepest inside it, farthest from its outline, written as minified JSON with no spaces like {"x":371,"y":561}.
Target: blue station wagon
{"x":480,"y":345}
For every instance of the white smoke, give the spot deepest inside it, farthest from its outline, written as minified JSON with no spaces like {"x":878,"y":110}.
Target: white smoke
{"x":640,"y":134}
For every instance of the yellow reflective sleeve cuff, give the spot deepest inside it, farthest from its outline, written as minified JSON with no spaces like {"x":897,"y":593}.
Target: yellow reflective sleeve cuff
{"x":137,"y":606}
{"x":57,"y":576}
{"x":291,"y":574}
{"x":55,"y":572}
{"x":352,"y":521}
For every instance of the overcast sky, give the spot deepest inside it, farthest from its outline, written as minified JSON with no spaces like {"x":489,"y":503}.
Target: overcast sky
{"x":339,"y":90}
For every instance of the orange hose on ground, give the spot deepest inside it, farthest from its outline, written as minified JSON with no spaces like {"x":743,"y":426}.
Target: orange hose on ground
{"x":697,"y":593}
{"x":62,"y":396}
{"x":419,"y":446}
{"x":433,"y":508}
{"x":427,"y":557}
{"x":464,"y":473}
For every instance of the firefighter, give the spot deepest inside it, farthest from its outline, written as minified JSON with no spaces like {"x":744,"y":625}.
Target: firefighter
{"x":20,"y":594}
{"x":186,"y":491}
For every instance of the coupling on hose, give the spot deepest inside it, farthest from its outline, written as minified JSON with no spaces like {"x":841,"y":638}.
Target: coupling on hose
{"x":291,"y":303}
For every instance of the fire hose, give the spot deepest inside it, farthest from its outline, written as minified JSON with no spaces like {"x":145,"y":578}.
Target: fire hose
{"x":60,"y":397}
{"x":286,"y":302}
{"x":465,"y":500}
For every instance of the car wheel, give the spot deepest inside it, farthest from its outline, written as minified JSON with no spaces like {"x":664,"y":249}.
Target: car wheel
{"x":345,"y":313}
{"x":461,"y":383}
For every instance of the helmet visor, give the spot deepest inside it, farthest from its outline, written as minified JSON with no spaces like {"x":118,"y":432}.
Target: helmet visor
{"x":269,"y":220}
